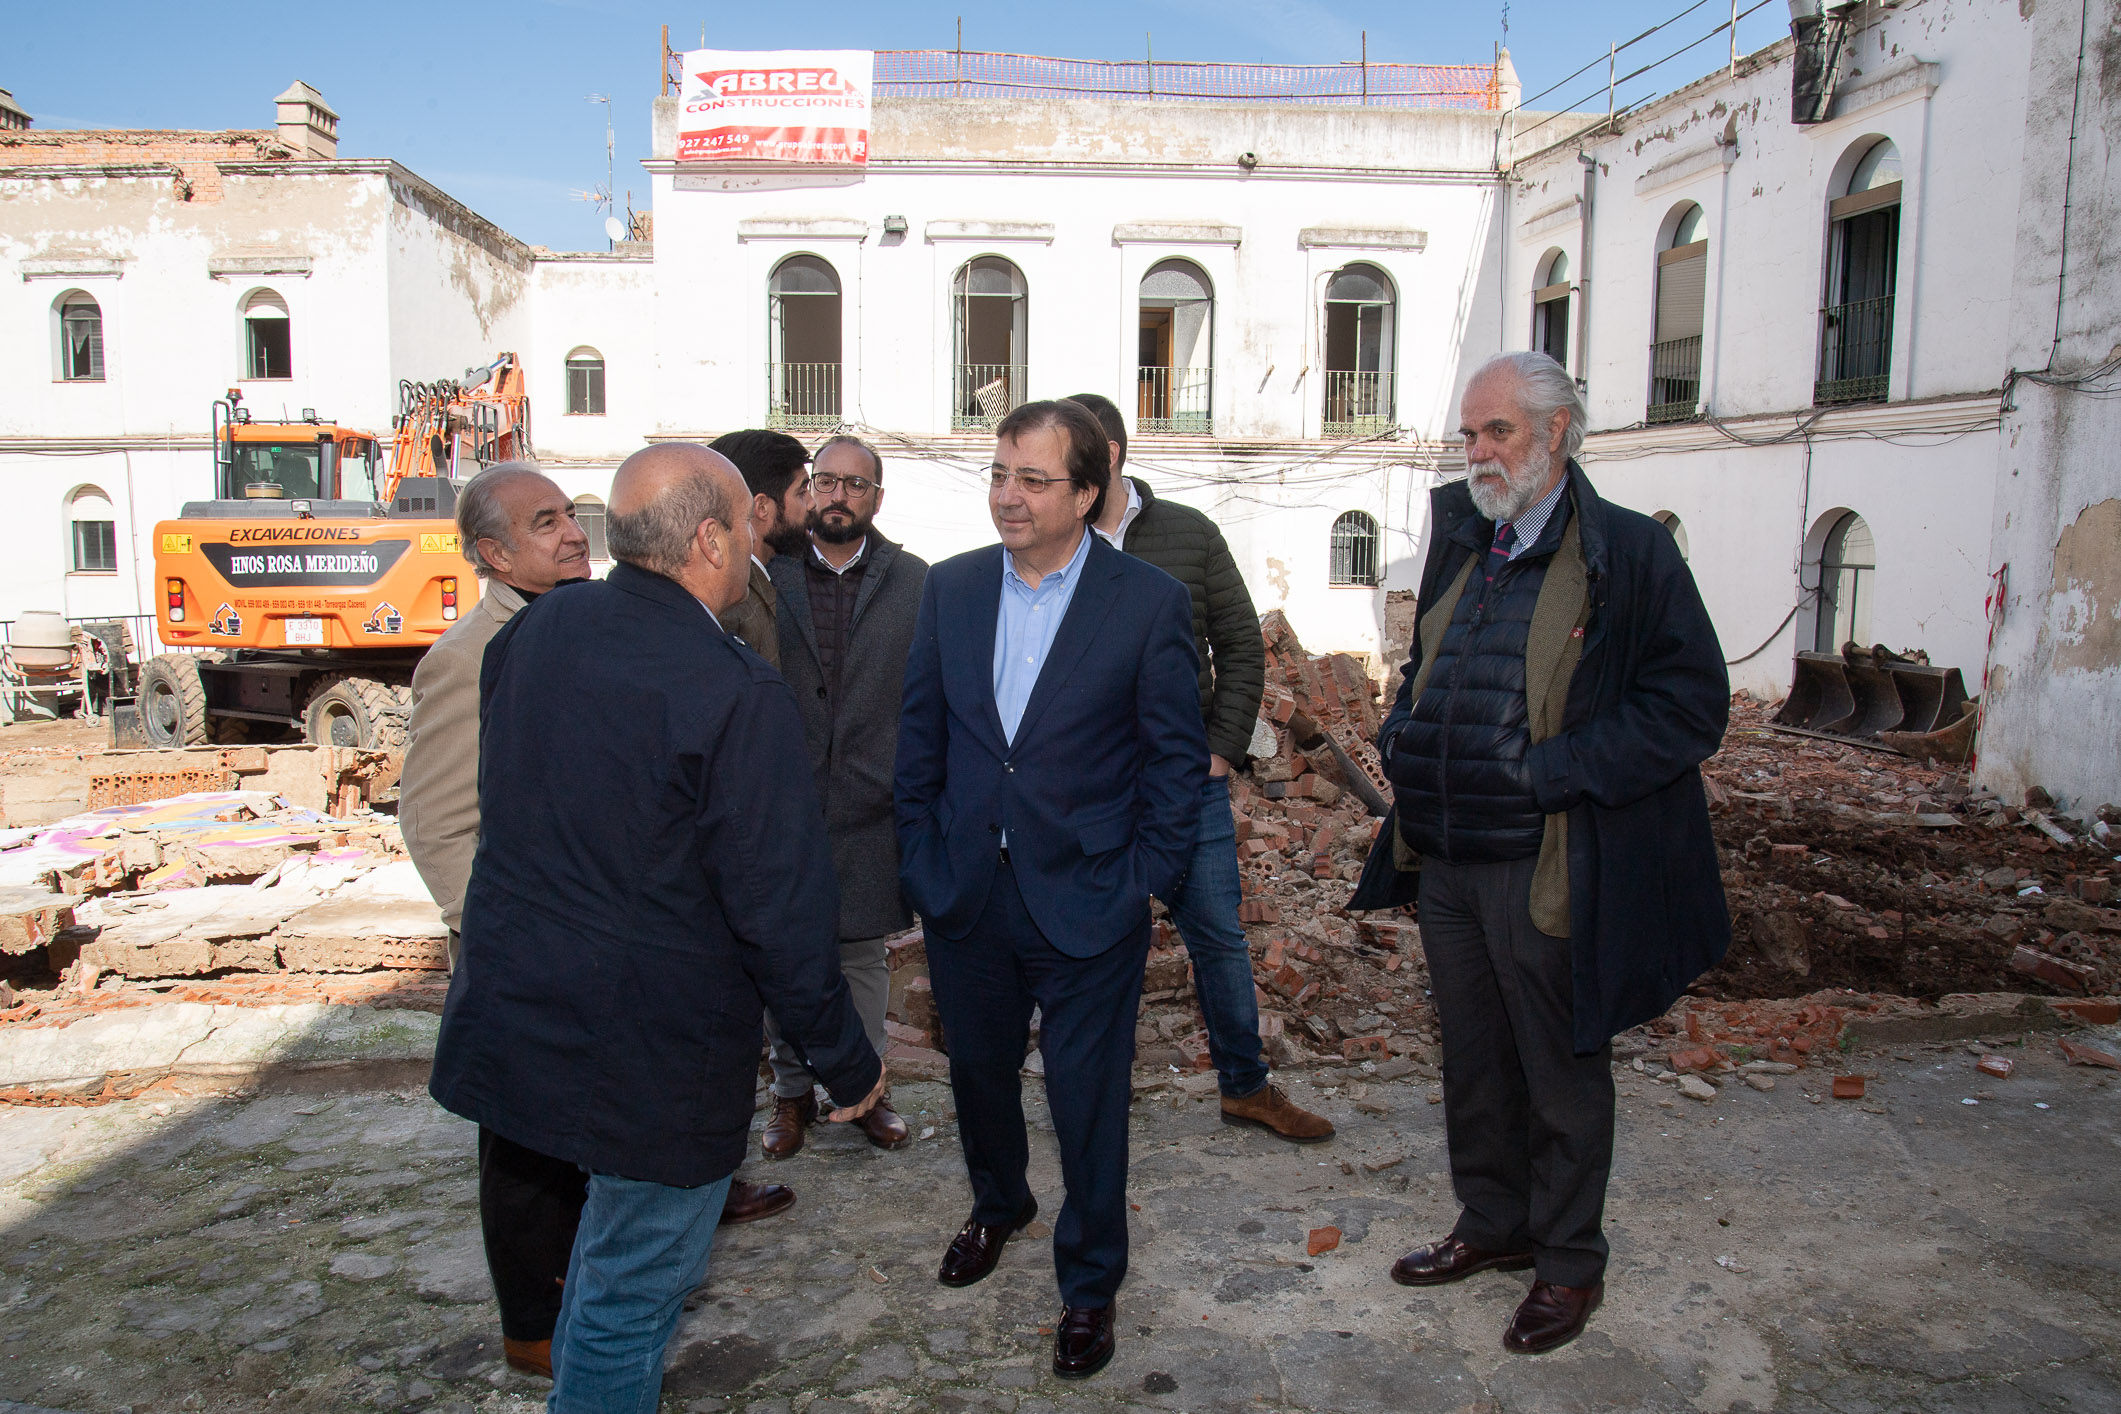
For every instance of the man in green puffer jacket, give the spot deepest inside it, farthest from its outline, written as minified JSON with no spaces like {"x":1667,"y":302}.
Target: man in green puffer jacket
{"x":1185,"y":544}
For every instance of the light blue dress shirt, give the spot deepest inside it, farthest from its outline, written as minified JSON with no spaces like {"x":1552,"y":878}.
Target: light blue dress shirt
{"x":1023,"y":634}
{"x":1533,"y":523}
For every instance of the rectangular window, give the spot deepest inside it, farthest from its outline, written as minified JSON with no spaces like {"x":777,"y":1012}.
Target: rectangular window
{"x":95,"y":545}
{"x":81,"y":344}
{"x":1675,"y":357}
{"x":271,"y":349}
{"x":585,"y":389}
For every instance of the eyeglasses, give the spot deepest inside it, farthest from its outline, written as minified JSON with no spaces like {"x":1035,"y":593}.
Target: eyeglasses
{"x":830,"y":485}
{"x":1025,"y":482}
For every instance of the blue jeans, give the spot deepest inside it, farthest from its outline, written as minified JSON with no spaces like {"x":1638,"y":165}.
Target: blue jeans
{"x":1204,"y":909}
{"x":640,"y":1250}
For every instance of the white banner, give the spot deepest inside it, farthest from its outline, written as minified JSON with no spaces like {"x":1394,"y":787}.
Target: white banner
{"x":807,"y":107}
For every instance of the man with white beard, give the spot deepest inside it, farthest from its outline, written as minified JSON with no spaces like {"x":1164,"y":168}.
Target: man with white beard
{"x":1563,"y":688}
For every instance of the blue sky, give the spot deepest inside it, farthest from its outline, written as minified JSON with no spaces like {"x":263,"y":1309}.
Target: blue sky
{"x":490,"y":102}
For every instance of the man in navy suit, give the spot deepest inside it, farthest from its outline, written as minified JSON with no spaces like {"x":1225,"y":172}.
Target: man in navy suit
{"x":1050,"y":763}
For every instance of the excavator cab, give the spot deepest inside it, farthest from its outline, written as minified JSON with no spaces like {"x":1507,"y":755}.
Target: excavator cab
{"x":308,"y":460}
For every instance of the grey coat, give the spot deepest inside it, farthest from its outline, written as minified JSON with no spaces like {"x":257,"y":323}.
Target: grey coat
{"x":854,"y":742}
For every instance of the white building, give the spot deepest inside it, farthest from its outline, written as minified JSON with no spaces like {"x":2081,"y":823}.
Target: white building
{"x":1794,"y":337}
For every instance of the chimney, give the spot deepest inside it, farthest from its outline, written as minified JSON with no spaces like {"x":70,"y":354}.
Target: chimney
{"x":12,"y":119}
{"x":308,"y":126}
{"x":1509,"y":91}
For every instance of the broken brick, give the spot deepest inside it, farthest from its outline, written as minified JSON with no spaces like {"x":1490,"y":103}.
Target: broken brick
{"x":908,"y":951}
{"x":1357,"y":1048}
{"x":1998,"y":1066}
{"x":1848,"y":1087}
{"x":1258,"y":910}
{"x":2088,"y":1012}
{"x":1321,"y":1241}
{"x":2078,"y":1053}
{"x":2058,"y":971}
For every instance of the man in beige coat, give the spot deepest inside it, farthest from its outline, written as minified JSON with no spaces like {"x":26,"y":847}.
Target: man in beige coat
{"x":518,"y":531}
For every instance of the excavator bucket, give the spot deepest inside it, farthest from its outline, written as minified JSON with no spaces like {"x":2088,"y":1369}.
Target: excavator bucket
{"x":1819,"y":694}
{"x":1860,"y":695}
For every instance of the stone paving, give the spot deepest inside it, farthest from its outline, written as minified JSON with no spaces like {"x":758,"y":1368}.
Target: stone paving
{"x":318,"y":1250}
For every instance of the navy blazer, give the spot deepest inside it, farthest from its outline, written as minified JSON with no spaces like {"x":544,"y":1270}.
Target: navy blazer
{"x":651,"y":864}
{"x":1100,"y":794}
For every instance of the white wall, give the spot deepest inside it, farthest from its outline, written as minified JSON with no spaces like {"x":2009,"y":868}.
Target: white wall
{"x":1931,"y":77}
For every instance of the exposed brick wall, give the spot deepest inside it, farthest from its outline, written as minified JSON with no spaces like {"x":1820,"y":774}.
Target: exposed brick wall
{"x":196,"y":155}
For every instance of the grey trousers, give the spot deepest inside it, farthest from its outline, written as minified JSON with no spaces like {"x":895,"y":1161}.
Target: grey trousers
{"x":1528,"y":1121}
{"x":868,"y":975}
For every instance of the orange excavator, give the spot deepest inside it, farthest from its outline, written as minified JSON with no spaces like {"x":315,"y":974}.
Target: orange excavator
{"x":309,"y":587}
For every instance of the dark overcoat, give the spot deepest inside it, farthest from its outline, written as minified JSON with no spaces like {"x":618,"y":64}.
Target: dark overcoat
{"x":853,"y":739}
{"x":1647,"y":704}
{"x":649,"y":869}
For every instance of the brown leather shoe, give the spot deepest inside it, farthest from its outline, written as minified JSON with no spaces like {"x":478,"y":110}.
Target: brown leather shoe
{"x":1084,"y":1343}
{"x":1269,"y":1109}
{"x":532,"y":1357}
{"x":784,"y":1131}
{"x":978,"y":1246}
{"x":1551,"y":1316}
{"x":883,"y":1127}
{"x":1451,"y":1260}
{"x":748,"y":1201}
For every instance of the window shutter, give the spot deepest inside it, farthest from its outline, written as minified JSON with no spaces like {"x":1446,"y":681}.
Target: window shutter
{"x":1681,"y":288}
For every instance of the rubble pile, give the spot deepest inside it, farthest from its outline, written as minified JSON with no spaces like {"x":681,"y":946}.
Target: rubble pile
{"x":1868,"y":871}
{"x":213,"y":882}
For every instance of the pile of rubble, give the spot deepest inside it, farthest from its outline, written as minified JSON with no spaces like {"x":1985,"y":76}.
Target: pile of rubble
{"x":1863,"y":870}
{"x":1330,"y":985}
{"x":213,"y":882}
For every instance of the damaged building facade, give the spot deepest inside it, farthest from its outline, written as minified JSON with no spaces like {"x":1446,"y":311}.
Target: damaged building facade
{"x":1796,"y":339}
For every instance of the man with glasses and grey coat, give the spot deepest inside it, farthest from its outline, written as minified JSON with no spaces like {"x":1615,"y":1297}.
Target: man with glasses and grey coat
{"x":846,"y":605}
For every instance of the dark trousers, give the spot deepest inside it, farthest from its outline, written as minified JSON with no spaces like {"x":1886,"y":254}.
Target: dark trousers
{"x":985,"y":986}
{"x":529,"y":1205}
{"x":1529,"y":1122}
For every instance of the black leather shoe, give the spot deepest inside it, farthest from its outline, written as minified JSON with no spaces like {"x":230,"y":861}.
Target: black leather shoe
{"x":1451,"y":1260}
{"x":978,"y":1246}
{"x":1551,"y":1316}
{"x":748,"y":1201}
{"x":1083,"y":1345}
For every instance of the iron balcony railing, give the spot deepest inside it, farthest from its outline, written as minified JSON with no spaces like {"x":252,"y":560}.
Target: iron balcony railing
{"x":1358,"y":404}
{"x":1855,"y":351}
{"x":803,"y":397}
{"x":985,"y":393}
{"x":1172,"y":401}
{"x":1675,"y":380}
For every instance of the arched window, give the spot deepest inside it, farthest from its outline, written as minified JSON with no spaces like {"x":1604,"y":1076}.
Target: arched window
{"x":1360,"y":305}
{"x":80,"y":329}
{"x":990,"y":308}
{"x":1177,"y":360}
{"x":589,"y":514}
{"x":803,"y":332}
{"x":1862,"y":265}
{"x":1550,"y":308}
{"x":94,"y":532}
{"x":1848,"y":566}
{"x":268,"y":339}
{"x":1355,"y":549}
{"x":1676,"y":526}
{"x":585,"y":383}
{"x":1682,"y":288}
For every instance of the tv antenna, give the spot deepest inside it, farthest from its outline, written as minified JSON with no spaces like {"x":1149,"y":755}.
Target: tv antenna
{"x":600,"y":198}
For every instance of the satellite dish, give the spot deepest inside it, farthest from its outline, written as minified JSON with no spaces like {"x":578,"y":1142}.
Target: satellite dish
{"x":615,"y":228}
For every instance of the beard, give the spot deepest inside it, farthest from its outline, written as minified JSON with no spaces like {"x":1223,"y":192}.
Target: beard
{"x":837,"y":531}
{"x":1521,"y":485}
{"x":787,"y":538}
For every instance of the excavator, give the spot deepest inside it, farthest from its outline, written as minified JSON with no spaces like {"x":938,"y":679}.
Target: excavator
{"x":302,"y":596}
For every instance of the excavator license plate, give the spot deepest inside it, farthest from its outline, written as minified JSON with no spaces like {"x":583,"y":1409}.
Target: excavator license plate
{"x":305,"y":633}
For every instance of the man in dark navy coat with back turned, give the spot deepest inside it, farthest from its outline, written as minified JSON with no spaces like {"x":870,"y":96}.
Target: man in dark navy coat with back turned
{"x":1050,"y":764}
{"x":652,"y":865}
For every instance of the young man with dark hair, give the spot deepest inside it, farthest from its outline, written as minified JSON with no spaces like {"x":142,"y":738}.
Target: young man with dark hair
{"x":1185,"y":544}
{"x":774,"y":467}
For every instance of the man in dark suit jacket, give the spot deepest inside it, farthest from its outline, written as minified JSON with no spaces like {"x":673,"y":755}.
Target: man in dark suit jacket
{"x":649,"y":869}
{"x":1050,"y":764}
